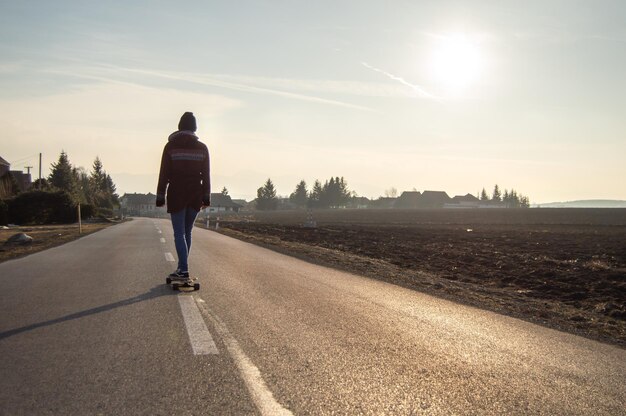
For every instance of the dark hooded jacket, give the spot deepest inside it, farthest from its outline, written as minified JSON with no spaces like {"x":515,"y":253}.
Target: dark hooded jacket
{"x":184,"y":172}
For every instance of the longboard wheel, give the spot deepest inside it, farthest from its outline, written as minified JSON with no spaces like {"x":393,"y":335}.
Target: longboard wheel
{"x":175,"y":286}
{"x":196,"y":286}
{"x":168,"y":280}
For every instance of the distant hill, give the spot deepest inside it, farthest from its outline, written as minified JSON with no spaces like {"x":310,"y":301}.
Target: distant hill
{"x":587,"y":203}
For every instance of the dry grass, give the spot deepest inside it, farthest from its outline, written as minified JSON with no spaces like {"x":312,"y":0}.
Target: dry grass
{"x":44,"y":237}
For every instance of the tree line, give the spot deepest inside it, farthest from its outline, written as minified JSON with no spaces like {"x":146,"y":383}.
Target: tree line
{"x":511,"y":199}
{"x":95,"y":188}
{"x":333,"y":193}
{"x":54,"y":199}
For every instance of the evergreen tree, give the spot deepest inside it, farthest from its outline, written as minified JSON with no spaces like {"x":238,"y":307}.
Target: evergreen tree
{"x":266,"y":197}
{"x":315,"y":196}
{"x":98,"y":177}
{"x":111,"y":191}
{"x":484,"y":196}
{"x":101,"y":187}
{"x":62,"y":175}
{"x":514,"y":199}
{"x":328,"y":193}
{"x":334,"y":193}
{"x":344,"y":192}
{"x":497,"y":196}
{"x":224,"y":191}
{"x":41,"y":184}
{"x":99,"y":195}
{"x":299,"y":197}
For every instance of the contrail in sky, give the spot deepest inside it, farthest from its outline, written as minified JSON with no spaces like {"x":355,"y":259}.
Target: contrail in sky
{"x":207,"y":80}
{"x":419,"y":90}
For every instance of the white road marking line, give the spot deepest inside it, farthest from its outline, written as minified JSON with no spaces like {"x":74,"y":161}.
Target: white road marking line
{"x":261,"y":395}
{"x":199,"y":336}
{"x":169,"y":257}
{"x":162,"y":240}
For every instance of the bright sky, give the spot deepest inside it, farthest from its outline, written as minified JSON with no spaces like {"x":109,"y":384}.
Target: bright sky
{"x":431,"y":95}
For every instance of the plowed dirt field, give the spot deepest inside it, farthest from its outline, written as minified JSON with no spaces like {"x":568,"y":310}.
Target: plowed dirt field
{"x":561,"y":268}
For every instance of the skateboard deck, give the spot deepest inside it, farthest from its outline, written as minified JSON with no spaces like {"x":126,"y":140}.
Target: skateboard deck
{"x":183,"y":284}
{"x":169,"y":280}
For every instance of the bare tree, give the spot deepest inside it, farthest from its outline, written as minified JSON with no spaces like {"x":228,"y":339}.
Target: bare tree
{"x":391,"y":192}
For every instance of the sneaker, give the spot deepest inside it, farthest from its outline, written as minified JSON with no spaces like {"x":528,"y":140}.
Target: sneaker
{"x":179,"y":275}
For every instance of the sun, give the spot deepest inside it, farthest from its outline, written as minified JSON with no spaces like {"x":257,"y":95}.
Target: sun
{"x":455,"y":63}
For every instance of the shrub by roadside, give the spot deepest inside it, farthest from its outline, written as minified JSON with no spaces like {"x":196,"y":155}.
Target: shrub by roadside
{"x":41,"y":207}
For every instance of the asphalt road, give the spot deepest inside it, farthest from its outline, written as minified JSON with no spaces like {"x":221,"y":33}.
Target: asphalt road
{"x":91,"y":328}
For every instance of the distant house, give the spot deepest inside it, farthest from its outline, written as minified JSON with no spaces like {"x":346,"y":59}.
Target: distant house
{"x":408,"y":200}
{"x":223,"y":203}
{"x":425,"y":200}
{"x":7,"y":184}
{"x":23,"y":180}
{"x":9,"y":178}
{"x":463,"y":201}
{"x":141,"y":205}
{"x":144,"y":205}
{"x":5,"y":167}
{"x":433,"y":199}
{"x":242,"y":202}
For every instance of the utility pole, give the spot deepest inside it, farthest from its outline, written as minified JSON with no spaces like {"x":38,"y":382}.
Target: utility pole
{"x":80,"y":222}
{"x":39,"y":170}
{"x":28,"y":168}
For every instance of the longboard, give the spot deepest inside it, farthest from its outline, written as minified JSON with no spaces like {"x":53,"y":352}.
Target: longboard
{"x":183,"y":284}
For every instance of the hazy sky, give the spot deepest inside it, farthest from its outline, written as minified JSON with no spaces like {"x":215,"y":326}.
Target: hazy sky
{"x":431,"y":95}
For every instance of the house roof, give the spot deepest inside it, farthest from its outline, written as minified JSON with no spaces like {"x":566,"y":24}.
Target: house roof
{"x":4,"y":162}
{"x":433,"y":199}
{"x":408,"y":199}
{"x":139,"y":199}
{"x":220,"y":200}
{"x":465,"y":198}
{"x":435,"y":196}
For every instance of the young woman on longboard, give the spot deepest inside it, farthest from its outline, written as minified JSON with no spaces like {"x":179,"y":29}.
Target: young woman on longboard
{"x":185,"y":183}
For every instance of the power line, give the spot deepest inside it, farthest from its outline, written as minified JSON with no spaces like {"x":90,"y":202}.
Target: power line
{"x":24,"y":159}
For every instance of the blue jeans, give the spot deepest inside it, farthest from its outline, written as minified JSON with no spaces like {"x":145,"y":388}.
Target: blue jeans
{"x":182,"y":222}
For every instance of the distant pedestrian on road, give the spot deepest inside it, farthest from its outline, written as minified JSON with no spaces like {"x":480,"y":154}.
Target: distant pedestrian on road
{"x":185,"y":175}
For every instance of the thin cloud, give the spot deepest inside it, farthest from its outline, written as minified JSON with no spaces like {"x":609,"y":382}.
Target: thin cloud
{"x":416,"y":88}
{"x":212,"y":81}
{"x":337,"y":87}
{"x":11,"y":67}
{"x":215,"y":82}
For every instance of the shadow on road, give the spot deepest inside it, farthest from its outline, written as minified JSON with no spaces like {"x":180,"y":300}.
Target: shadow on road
{"x":155,"y":292}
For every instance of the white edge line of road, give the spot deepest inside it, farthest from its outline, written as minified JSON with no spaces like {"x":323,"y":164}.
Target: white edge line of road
{"x":261,"y":395}
{"x":199,"y":336}
{"x":169,"y":257}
